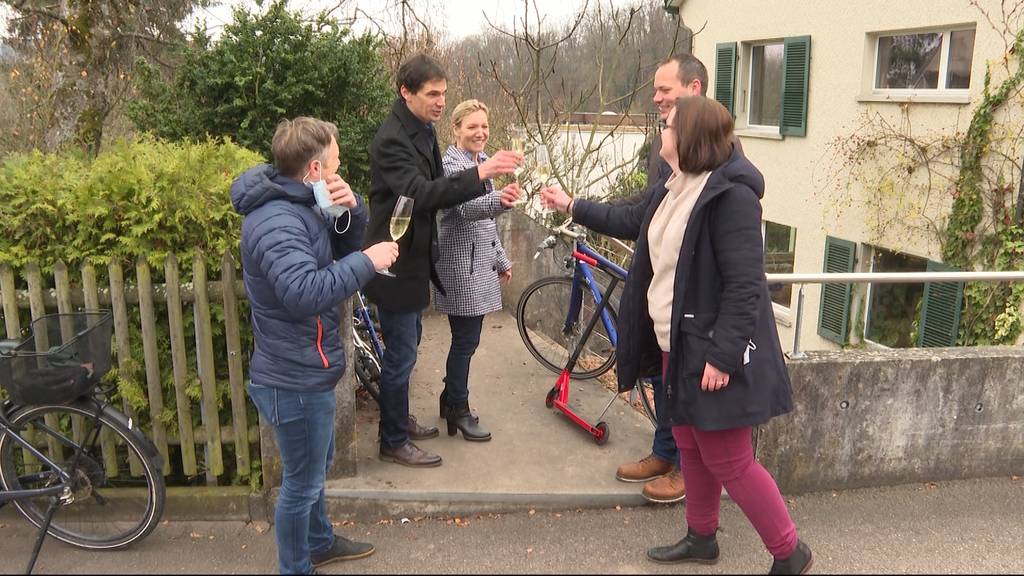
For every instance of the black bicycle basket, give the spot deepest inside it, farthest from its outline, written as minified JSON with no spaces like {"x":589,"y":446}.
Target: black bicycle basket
{"x":63,"y":358}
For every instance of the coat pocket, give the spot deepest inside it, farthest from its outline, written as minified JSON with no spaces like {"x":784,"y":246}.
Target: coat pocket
{"x":695,"y":338}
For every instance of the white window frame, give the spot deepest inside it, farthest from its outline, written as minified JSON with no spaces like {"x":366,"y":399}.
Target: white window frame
{"x":762,"y":128}
{"x":909,"y":93}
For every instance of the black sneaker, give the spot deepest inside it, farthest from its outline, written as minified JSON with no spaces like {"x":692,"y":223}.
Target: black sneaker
{"x":343,"y":549}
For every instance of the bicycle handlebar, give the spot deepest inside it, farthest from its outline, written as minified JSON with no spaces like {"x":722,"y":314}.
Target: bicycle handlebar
{"x":566,"y":229}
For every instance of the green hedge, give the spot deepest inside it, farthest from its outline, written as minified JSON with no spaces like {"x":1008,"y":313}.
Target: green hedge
{"x":140,"y":199}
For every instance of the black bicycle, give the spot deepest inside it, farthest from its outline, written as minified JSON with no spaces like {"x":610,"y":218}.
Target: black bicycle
{"x":64,"y":448}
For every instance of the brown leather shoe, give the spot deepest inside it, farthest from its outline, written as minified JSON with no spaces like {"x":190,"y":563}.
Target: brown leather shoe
{"x":666,"y":490}
{"x":417,"y":432}
{"x":409,"y":454}
{"x":648,"y":468}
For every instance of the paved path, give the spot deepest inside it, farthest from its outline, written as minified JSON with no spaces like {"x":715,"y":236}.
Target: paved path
{"x":962,"y":527}
{"x":537,"y":457}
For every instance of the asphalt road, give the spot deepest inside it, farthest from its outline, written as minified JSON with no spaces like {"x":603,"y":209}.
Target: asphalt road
{"x":962,"y":527}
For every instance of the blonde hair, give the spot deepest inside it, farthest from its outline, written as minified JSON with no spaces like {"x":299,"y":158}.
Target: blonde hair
{"x":465,"y":108}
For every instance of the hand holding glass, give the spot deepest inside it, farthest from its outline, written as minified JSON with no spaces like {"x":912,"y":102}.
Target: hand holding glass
{"x":400,"y":219}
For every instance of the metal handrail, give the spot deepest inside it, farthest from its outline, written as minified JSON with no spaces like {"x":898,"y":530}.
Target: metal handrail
{"x":892,"y":277}
{"x":878,"y":278}
{"x":863,"y":278}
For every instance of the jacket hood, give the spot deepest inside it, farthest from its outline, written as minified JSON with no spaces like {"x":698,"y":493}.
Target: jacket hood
{"x":738,"y":170}
{"x":261,"y":184}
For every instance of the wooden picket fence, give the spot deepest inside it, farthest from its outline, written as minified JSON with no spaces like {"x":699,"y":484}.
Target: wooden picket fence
{"x":121,"y":296}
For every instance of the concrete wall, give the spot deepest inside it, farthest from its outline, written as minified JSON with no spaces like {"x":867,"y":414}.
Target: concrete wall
{"x":870,"y":418}
{"x":520,"y":236}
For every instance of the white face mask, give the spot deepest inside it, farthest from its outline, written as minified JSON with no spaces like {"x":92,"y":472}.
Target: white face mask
{"x":323,"y":198}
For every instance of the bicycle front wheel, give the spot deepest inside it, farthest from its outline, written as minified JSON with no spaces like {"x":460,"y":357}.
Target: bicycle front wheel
{"x":645,"y":390}
{"x":543,"y":328}
{"x":116,"y":484}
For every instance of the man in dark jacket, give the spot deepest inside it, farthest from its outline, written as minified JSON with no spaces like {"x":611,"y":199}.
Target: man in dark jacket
{"x":405,"y":161}
{"x":294,"y":283}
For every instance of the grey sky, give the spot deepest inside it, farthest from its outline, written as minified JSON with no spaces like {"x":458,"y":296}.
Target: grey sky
{"x":460,"y":18}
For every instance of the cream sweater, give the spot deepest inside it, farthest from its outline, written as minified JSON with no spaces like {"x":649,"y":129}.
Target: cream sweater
{"x":665,"y":238}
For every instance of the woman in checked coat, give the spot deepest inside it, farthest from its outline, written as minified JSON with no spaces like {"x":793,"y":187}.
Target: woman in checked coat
{"x":472,"y":264}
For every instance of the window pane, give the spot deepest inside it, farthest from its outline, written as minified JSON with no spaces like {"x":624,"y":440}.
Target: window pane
{"x":909,"y":61}
{"x":766,"y":84}
{"x":893,"y":308}
{"x":779,"y":253}
{"x":961,"y":54}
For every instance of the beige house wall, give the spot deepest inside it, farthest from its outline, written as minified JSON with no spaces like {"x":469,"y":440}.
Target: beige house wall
{"x":797,"y":169}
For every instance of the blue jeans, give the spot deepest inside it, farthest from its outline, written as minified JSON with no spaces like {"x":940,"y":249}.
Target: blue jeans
{"x":401,"y":332}
{"x":664,"y":445}
{"x":304,"y":427}
{"x":465,"y":339}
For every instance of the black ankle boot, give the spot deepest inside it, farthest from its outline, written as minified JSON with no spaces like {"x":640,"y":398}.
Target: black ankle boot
{"x":460,"y":417}
{"x":444,"y":408}
{"x":693,"y":548}
{"x":799,"y":562}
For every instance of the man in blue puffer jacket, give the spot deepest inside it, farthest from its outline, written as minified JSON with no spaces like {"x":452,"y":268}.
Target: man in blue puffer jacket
{"x":299,"y":263}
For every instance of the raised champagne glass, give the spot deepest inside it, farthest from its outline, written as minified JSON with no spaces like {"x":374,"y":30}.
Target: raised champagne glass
{"x":517,"y":141}
{"x":542,"y":168}
{"x":400,"y":219}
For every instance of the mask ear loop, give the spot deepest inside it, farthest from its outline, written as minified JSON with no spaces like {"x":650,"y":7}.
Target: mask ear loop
{"x":348,"y":223}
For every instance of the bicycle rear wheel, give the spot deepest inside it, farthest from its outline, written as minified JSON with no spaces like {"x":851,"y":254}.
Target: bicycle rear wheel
{"x":113,"y":507}
{"x":367,"y":364}
{"x":542,"y":327}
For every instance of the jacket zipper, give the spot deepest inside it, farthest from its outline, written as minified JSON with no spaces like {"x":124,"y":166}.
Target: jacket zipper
{"x":320,"y":342}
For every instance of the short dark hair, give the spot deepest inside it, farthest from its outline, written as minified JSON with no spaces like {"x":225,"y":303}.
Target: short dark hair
{"x":703,"y":134}
{"x":417,"y":71}
{"x":690,"y":69}
{"x":299,"y":141}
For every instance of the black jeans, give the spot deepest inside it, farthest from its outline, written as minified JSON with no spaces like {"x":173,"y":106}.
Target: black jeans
{"x":465,"y":339}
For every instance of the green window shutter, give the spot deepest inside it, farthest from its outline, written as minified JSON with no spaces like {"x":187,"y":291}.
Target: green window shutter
{"x":796,"y":67}
{"x":725,"y":75}
{"x":834,"y":313}
{"x":940,"y":310}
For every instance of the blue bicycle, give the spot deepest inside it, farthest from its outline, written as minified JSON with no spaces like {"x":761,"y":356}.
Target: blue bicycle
{"x":579,"y":341}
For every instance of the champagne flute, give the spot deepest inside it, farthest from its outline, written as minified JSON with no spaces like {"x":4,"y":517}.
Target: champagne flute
{"x":542,"y":169}
{"x":518,"y":143}
{"x":400,"y":218}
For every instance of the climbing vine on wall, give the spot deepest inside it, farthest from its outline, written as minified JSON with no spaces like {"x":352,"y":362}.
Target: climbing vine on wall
{"x":964,"y":189}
